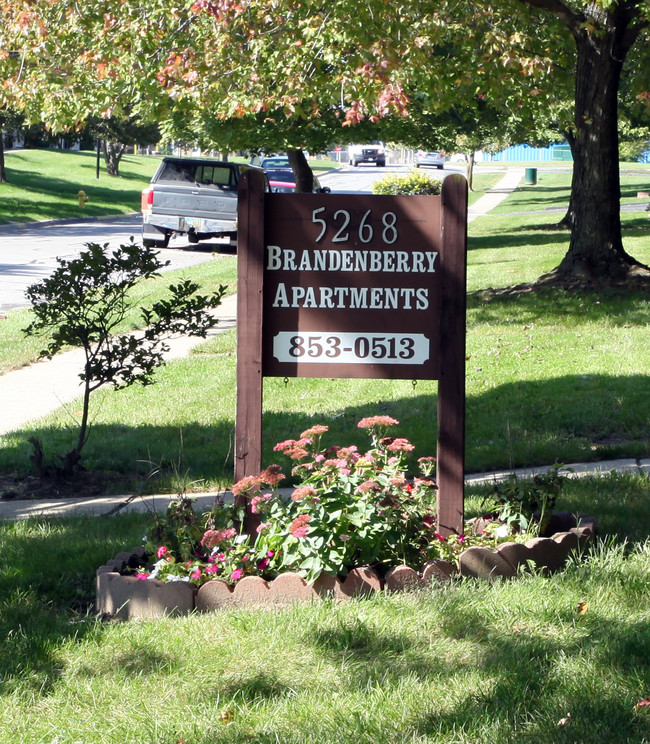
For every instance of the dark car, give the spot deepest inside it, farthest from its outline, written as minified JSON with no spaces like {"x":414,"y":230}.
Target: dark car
{"x":283,"y":181}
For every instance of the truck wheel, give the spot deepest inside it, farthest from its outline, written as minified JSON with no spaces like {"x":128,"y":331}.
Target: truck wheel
{"x":355,"y":163}
{"x":148,"y":243}
{"x":381,"y":163}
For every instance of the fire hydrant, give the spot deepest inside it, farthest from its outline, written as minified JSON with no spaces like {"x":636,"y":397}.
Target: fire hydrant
{"x":82,"y":198}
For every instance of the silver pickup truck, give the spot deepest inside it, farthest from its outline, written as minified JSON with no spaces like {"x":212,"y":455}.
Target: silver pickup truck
{"x":192,"y":196}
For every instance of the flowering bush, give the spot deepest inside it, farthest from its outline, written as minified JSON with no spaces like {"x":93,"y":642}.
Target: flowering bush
{"x":349,"y":509}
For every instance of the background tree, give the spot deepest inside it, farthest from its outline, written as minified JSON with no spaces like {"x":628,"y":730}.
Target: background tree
{"x":83,"y":303}
{"x":9,"y":122}
{"x":117,"y":133}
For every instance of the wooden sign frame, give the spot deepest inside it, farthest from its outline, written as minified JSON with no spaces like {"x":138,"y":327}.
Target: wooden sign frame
{"x":418,"y":256}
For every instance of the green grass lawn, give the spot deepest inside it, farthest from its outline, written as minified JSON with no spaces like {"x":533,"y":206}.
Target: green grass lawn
{"x":44,"y":184}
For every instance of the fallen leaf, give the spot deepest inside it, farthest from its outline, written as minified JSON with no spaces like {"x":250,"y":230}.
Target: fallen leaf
{"x":582,"y":608}
{"x":643,"y":703}
{"x":565,"y":720}
{"x":227,"y":715}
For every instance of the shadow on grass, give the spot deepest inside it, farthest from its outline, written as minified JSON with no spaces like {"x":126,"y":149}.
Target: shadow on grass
{"x":515,"y":667}
{"x":617,"y":306}
{"x":47,"y":585}
{"x":567,"y":419}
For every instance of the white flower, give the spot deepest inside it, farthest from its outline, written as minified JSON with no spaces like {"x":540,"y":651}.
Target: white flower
{"x":502,"y":531}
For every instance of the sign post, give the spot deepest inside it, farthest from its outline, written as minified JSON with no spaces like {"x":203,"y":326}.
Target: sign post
{"x":354,"y":286}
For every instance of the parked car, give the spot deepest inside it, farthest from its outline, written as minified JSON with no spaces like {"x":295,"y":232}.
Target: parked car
{"x":276,"y":161}
{"x":283,"y":181}
{"x":192,"y":196}
{"x":435,"y":158}
{"x":372,"y":153}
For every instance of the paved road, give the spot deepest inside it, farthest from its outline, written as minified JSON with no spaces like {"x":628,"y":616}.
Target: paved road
{"x":29,"y":254}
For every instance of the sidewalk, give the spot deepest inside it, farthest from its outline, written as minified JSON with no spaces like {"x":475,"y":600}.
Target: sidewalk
{"x":107,"y":505}
{"x":35,"y":391}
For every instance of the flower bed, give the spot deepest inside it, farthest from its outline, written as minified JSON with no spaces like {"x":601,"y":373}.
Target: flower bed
{"x":356,"y":523}
{"x":127,"y":597}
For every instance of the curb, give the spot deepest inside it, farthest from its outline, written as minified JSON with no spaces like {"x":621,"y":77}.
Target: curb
{"x":65,"y":221}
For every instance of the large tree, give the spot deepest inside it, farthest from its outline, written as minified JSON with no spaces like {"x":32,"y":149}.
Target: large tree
{"x":603,"y":33}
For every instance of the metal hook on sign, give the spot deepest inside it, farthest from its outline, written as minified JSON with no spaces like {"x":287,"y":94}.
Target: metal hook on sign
{"x":286,"y":381}
{"x":414,"y":383}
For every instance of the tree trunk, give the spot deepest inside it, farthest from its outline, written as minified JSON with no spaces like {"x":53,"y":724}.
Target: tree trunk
{"x":570,"y":217}
{"x":3,"y":174}
{"x":469,"y":171}
{"x":301,"y":170}
{"x":113,"y":152}
{"x":596,"y":250}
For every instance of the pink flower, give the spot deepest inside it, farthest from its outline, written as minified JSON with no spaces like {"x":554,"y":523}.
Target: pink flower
{"x":438,"y":536}
{"x":372,"y":421}
{"x":263,"y":563}
{"x":282,"y":446}
{"x":369,"y":485}
{"x":272,"y":475}
{"x":246,"y":485}
{"x":212,"y":569}
{"x":196,"y":574}
{"x":303,"y":492}
{"x":142,"y":576}
{"x":315,"y":431}
{"x":257,"y":500}
{"x":161,"y":551}
{"x":269,"y":554}
{"x":236,"y":574}
{"x":263,"y":526}
{"x":298,"y":528}
{"x":211,"y":538}
{"x":399,"y":444}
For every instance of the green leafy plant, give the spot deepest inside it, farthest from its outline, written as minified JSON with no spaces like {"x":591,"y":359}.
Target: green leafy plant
{"x":524,"y":504}
{"x":84,"y":301}
{"x":414,"y":183}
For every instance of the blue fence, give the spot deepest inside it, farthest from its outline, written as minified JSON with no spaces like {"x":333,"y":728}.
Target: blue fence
{"x":528,"y":154}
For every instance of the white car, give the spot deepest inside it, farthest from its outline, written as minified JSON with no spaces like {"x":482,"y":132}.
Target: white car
{"x":435,"y":158}
{"x":372,"y":153}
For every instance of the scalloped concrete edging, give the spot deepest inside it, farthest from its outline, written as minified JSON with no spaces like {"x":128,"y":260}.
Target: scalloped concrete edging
{"x":126,"y":597}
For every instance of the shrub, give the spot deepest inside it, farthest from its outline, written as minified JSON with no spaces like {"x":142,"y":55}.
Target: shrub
{"x":414,"y":183}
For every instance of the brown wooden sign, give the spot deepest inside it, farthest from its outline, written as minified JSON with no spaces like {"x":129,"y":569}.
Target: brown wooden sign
{"x":351,"y":287}
{"x":354,"y":286}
